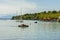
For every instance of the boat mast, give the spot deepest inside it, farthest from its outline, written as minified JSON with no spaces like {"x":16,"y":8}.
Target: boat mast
{"x":21,"y":13}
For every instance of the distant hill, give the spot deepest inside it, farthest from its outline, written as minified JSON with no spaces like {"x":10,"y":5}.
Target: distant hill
{"x":5,"y":18}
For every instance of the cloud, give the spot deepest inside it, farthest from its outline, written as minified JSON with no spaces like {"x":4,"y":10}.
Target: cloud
{"x":11,"y":6}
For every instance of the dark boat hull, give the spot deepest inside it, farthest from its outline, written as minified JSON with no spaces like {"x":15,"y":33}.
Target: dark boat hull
{"x":23,"y":25}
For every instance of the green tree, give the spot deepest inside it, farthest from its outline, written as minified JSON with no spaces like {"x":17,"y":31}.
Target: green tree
{"x":54,"y":11}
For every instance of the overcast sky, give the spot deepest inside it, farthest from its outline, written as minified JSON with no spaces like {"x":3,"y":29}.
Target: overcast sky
{"x":27,"y":6}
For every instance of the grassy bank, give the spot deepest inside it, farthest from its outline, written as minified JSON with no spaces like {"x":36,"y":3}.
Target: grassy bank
{"x":50,"y":15}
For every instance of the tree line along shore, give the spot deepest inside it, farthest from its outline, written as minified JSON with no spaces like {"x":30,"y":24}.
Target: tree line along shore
{"x":44,"y":16}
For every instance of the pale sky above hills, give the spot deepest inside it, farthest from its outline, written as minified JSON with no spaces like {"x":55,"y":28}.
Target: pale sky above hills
{"x":27,"y":6}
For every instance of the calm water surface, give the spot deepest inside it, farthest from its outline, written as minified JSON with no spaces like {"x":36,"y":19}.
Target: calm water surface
{"x":9,"y":30}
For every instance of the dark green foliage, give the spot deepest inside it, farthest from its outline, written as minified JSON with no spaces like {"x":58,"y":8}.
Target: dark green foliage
{"x":44,"y":12}
{"x":54,"y":11}
{"x":49,"y":11}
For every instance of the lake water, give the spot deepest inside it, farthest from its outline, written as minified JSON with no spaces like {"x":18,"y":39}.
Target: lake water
{"x":9,"y":30}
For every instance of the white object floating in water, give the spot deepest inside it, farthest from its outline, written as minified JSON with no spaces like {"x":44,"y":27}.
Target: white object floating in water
{"x":59,"y":17}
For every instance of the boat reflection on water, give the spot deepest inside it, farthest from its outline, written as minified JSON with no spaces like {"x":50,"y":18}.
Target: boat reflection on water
{"x":19,"y":21}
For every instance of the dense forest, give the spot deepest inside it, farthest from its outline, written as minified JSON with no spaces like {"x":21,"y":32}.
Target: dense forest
{"x":45,"y":15}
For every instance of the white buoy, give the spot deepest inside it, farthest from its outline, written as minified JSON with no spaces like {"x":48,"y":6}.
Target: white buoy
{"x":59,"y":17}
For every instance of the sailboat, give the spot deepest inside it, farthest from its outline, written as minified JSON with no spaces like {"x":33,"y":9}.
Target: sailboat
{"x":20,"y":18}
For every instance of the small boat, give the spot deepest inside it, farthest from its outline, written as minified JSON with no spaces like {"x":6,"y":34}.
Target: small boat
{"x":35,"y":22}
{"x":23,"y":25}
